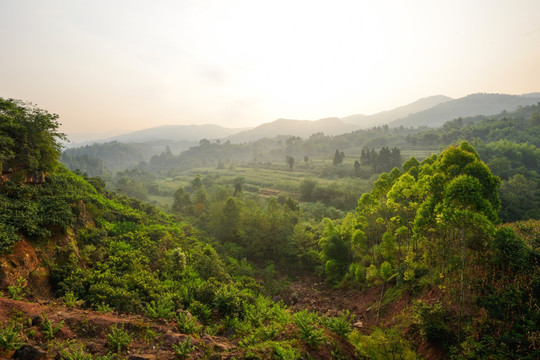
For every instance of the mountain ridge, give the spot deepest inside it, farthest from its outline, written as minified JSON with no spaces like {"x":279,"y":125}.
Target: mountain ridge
{"x":383,"y":117}
{"x":432,"y":111}
{"x":291,"y":127}
{"x":467,"y":106}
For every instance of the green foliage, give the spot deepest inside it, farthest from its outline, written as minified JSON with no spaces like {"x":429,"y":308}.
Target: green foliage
{"x":10,"y":338}
{"x":163,"y":308}
{"x":509,"y":250}
{"x":71,"y":300}
{"x":340,"y":325}
{"x":74,"y":354}
{"x":16,"y":292}
{"x":335,"y":246}
{"x":48,"y":329}
{"x":118,"y":339}
{"x":285,"y":352}
{"x":29,"y":139}
{"x":183,"y":349}
{"x":308,"y":331}
{"x":382,"y":344}
{"x":433,"y":320}
{"x":186,"y":323}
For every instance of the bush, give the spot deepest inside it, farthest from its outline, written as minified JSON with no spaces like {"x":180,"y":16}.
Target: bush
{"x":162,"y":309}
{"x":186,"y":323}
{"x":433,"y":320}
{"x":184,"y":349}
{"x":340,"y":325}
{"x":16,"y":292}
{"x":10,"y":338}
{"x":307,"y":329}
{"x":71,"y":300}
{"x":48,"y":329}
{"x":118,"y":339}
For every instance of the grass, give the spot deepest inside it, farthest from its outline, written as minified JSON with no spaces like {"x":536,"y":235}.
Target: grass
{"x":263,"y":178}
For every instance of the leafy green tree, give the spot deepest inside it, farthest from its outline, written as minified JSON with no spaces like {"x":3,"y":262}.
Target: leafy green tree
{"x":290,"y":162}
{"x":238,"y":181}
{"x":338,"y":157}
{"x":307,"y":189}
{"x":520,"y":199}
{"x":29,"y":137}
{"x":335,"y":243}
{"x":182,"y":202}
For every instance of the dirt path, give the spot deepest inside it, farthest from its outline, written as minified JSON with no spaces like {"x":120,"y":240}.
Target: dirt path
{"x":151,"y":339}
{"x":311,"y":293}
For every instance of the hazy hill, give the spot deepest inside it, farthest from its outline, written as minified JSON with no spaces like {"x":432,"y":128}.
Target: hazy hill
{"x":384,"y":117}
{"x":302,"y":128}
{"x":471,"y":105}
{"x":178,"y":133}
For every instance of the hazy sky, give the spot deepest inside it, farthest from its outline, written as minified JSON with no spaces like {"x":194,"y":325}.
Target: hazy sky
{"x":108,"y":65}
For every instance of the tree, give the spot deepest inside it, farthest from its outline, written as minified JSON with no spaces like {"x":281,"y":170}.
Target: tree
{"x":520,"y":199}
{"x":29,"y":140}
{"x":356,"y":166}
{"x":307,"y":188}
{"x":290,"y":161}
{"x":338,"y":157}
{"x":182,"y":202}
{"x":239,"y":181}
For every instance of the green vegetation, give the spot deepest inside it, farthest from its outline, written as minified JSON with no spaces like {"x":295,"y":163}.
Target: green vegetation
{"x":28,"y":139}
{"x":118,"y":339}
{"x":424,"y":236}
{"x":10,"y":337}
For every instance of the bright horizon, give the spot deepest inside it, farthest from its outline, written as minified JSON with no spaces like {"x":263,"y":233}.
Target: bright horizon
{"x":128,"y":65}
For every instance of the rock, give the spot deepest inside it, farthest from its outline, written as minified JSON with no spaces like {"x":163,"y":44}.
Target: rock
{"x":170,"y":338}
{"x":141,"y":357}
{"x":358,"y":324}
{"x":219,"y":346}
{"x":28,"y":352}
{"x":23,"y":263}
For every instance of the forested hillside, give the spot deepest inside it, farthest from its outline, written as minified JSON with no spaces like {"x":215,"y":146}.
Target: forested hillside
{"x":418,"y":266}
{"x":507,"y":142}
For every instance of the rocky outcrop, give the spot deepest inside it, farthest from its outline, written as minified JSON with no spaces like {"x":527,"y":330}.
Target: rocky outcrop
{"x":24,"y":263}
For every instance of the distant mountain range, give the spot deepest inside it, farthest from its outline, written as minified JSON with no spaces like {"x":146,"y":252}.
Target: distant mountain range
{"x":385,"y":117}
{"x":302,"y":128}
{"x":179,"y":132}
{"x":431,"y":111}
{"x":471,"y":105}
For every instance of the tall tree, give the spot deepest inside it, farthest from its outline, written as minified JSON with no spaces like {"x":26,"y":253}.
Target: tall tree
{"x":30,"y":139}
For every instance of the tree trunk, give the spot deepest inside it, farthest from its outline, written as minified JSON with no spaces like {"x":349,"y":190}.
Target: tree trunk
{"x":462,"y":285}
{"x":380,"y":301}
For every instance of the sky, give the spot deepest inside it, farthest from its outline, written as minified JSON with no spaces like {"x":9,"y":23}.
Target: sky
{"x":113,"y":66}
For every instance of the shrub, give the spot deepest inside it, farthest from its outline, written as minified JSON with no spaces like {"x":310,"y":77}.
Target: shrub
{"x":162,"y":309}
{"x":10,"y":338}
{"x":71,"y":300}
{"x":201,"y":311}
{"x":16,"y":292}
{"x":308,"y":332}
{"x":48,"y":329}
{"x":340,"y":325}
{"x":118,"y":339}
{"x":184,"y":349}
{"x":75,"y":354}
{"x":186,"y":323}
{"x":285,"y":352}
{"x":433,"y":320}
